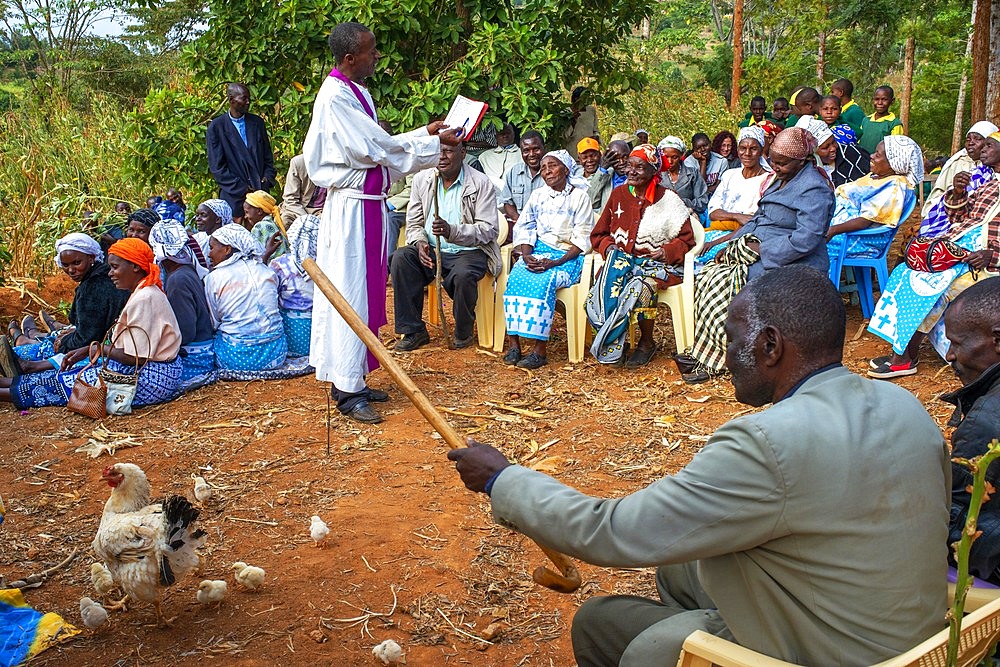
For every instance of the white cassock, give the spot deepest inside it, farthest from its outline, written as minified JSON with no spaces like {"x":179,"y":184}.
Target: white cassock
{"x":342,"y":144}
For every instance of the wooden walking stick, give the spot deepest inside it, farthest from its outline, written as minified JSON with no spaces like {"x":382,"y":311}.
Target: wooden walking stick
{"x":568,"y":578}
{"x":438,"y":284}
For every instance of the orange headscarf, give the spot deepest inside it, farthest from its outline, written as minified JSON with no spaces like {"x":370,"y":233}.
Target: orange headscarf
{"x":139,"y":253}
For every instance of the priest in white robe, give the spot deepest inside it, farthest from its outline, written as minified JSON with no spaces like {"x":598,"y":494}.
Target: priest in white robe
{"x":356,"y":160}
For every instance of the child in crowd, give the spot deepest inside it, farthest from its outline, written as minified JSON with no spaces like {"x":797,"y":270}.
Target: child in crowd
{"x":780,"y":110}
{"x":850,"y":113}
{"x":829,"y":110}
{"x":758,"y":112}
{"x":169,"y":207}
{"x":805,"y":102}
{"x":882,"y":123}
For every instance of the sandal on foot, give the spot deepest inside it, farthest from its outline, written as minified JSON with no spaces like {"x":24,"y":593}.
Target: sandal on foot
{"x":49,"y":323}
{"x":532,"y":361}
{"x":513,"y":356}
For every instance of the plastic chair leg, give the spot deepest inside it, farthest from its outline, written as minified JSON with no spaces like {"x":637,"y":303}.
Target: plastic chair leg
{"x":863,"y":276}
{"x":576,"y":323}
{"x":485,"y":310}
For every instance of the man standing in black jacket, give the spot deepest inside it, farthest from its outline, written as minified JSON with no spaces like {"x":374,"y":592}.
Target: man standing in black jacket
{"x":239,"y":151}
{"x":973,"y":325}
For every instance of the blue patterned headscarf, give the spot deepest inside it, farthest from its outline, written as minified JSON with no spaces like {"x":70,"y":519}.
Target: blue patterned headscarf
{"x":844,"y":134}
{"x":221,"y":208}
{"x":168,"y":239}
{"x":303,"y":237}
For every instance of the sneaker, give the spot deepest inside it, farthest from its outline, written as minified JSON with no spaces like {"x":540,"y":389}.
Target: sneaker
{"x":532,"y":361}
{"x":887,"y":371}
{"x":410,"y":342}
{"x":880,"y":361}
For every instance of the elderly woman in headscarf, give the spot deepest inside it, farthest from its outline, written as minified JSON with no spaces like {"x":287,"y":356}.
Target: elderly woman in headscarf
{"x":852,"y":161}
{"x":145,"y":337}
{"x":826,"y":145}
{"x":643,"y":235}
{"x":735,"y":200}
{"x":684,"y":180}
{"x":243,"y":299}
{"x":96,"y":305}
{"x":261,"y":210}
{"x":209,"y":216}
{"x":897,"y":168}
{"x":185,"y":291}
{"x":295,"y":287}
{"x":789,"y":228}
{"x":550,"y":238}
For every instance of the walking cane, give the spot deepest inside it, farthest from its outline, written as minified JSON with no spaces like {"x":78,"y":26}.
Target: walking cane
{"x":568,"y":578}
{"x":438,"y":284}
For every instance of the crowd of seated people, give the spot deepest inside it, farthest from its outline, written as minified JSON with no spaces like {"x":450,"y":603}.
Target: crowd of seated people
{"x":790,"y":187}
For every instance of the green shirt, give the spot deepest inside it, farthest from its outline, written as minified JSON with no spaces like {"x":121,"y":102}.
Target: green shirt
{"x":748,"y":119}
{"x":874,"y":131}
{"x":852,"y":115}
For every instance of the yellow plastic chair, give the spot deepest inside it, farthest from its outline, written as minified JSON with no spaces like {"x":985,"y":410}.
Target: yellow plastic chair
{"x":573,"y":299}
{"x":980,"y":629}
{"x":679,"y":298}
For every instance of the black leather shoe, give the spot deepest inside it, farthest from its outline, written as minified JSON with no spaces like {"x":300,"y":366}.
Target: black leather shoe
{"x":461,"y":343}
{"x":377,"y":395}
{"x":640,"y":357}
{"x":513,"y":356}
{"x":685,"y":363}
{"x":532,"y":361}
{"x":410,"y":342}
{"x":696,"y":377}
{"x":365,"y":414}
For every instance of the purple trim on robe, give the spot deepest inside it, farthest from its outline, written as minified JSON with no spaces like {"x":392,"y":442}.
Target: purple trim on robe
{"x":373,"y":210}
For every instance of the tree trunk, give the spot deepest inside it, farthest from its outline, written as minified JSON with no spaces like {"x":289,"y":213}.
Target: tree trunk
{"x":821,"y":51}
{"x":907,"y":95}
{"x":980,"y":58}
{"x":461,"y":47}
{"x":645,"y":29}
{"x":993,"y":87}
{"x":963,"y":84}
{"x":734,"y":99}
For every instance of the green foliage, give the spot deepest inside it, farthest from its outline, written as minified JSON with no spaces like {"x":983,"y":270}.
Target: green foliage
{"x":57,"y":165}
{"x":665,"y":110}
{"x":520,"y":59}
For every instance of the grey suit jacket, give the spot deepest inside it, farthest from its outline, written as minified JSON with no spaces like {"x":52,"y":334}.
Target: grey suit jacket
{"x":791,"y":223}
{"x":820,"y":523}
{"x":480,"y":223}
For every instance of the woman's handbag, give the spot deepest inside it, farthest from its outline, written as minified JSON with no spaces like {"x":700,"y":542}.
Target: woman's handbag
{"x":89,"y":399}
{"x":121,"y":387}
{"x":933,"y":255}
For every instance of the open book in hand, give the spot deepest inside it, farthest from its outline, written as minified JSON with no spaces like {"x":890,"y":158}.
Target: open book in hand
{"x":466,"y":113}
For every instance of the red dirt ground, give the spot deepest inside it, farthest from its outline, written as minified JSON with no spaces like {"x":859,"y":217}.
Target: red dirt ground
{"x":402,"y":525}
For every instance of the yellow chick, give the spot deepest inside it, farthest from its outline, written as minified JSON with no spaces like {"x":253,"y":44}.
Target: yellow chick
{"x":249,"y":576}
{"x":100,"y":577}
{"x":210,"y":591}
{"x":318,"y":530}
{"x":202,"y":491}
{"x":388,"y":652}
{"x":92,"y":613}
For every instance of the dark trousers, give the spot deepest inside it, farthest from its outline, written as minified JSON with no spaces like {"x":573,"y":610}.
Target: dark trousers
{"x":460,"y":275}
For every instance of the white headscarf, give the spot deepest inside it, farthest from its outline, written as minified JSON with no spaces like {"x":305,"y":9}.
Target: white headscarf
{"x":571,"y":166}
{"x":221,"y":208}
{"x":168,"y":239}
{"x":752,"y":132}
{"x":244,"y":245}
{"x":905,"y":157}
{"x":80,"y":243}
{"x":672,"y":142}
{"x":814,"y":126}
{"x":984,"y":128}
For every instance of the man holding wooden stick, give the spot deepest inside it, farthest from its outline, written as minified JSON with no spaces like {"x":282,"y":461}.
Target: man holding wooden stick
{"x":349,"y":154}
{"x":453,"y":207}
{"x":812,"y":531}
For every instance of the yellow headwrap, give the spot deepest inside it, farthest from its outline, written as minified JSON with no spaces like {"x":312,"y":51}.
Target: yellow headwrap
{"x":995,"y":135}
{"x":266,"y":203}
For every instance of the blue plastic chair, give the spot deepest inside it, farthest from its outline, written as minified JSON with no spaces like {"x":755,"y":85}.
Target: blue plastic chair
{"x":863,"y":266}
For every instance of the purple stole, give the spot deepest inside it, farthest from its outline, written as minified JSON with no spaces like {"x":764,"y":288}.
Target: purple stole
{"x":376,"y":262}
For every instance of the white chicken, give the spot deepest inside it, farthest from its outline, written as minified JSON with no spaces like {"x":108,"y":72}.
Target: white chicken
{"x":100,"y":577}
{"x":92,"y":613}
{"x":318,"y":530}
{"x":388,"y":652}
{"x":211,"y":590}
{"x":202,"y":491}
{"x":249,"y":576}
{"x":145,"y":546}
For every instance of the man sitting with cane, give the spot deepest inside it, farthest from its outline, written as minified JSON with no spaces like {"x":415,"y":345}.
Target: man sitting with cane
{"x":453,"y":207}
{"x":813,"y":531}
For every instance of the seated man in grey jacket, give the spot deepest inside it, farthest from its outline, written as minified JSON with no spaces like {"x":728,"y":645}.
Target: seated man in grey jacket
{"x":455,"y":205}
{"x":812,"y":531}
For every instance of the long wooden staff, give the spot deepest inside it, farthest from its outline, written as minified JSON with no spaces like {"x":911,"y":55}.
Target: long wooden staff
{"x":568,"y":578}
{"x":438,"y":283}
